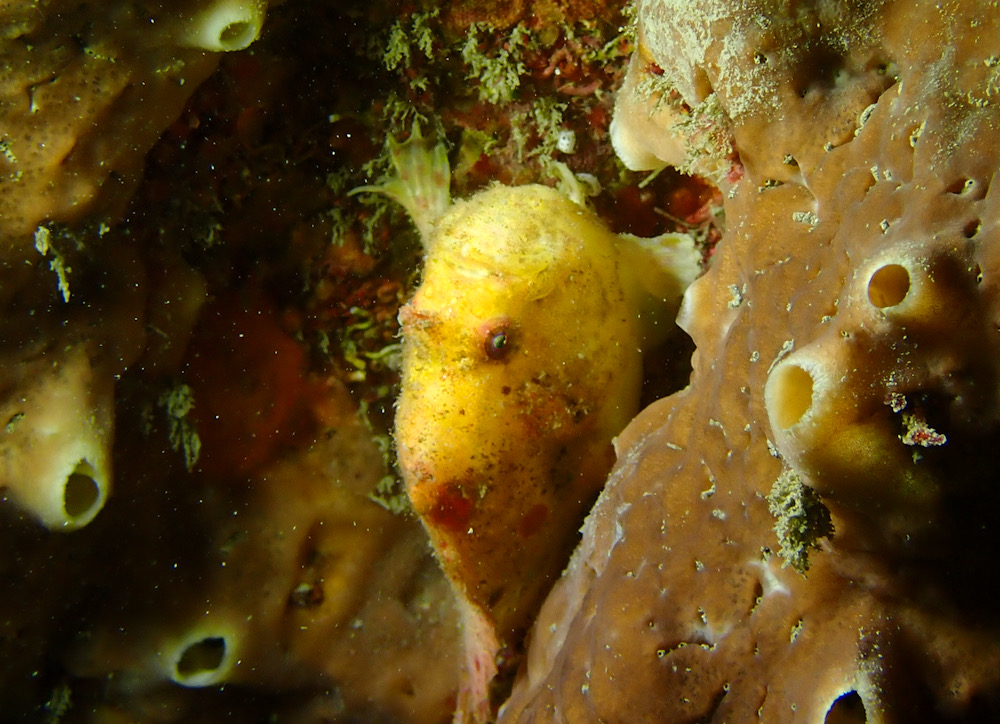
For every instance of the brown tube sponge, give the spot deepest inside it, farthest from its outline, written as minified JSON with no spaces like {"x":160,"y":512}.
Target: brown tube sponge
{"x":56,"y":440}
{"x":87,"y":88}
{"x":844,"y":408}
{"x":224,"y":25}
{"x":206,"y":654}
{"x":294,"y":580}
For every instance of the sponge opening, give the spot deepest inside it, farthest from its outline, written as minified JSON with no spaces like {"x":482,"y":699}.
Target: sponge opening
{"x":848,"y":708}
{"x":200,"y":662}
{"x":790,"y":393}
{"x":888,"y":286}
{"x":238,"y":35}
{"x":225,"y":26}
{"x":82,"y":494}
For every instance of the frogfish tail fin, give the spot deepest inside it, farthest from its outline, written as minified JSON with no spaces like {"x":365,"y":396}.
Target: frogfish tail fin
{"x":661,"y":268}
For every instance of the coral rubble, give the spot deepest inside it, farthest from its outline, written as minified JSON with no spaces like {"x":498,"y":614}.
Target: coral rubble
{"x":806,"y":532}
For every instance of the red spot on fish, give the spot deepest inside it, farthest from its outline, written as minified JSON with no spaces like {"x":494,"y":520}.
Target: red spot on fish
{"x":450,"y":509}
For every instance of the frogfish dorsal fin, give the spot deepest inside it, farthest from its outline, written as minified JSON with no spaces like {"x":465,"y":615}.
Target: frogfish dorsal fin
{"x":419,"y":181}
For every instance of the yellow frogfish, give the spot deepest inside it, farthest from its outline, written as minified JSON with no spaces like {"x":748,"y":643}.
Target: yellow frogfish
{"x":522,"y":359}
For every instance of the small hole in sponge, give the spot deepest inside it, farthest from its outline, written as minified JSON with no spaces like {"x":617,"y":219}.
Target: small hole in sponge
{"x":971,"y":228}
{"x":888,"y":286}
{"x":201,"y":657}
{"x":757,"y":596}
{"x":82,"y":492}
{"x":791,"y":389}
{"x":961,"y":186}
{"x":847,"y":709}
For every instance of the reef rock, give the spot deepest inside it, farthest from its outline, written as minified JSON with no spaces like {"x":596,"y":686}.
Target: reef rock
{"x":804,"y":533}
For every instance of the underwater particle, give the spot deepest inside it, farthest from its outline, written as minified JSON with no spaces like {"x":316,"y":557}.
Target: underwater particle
{"x":59,"y":704}
{"x":801,"y":519}
{"x":43,"y":243}
{"x":896,"y":401}
{"x":177,"y":403}
{"x":42,"y":240}
{"x":7,"y":152}
{"x":737,"y":294}
{"x":389,"y":492}
{"x":307,"y":594}
{"x":918,"y":432}
{"x":805,"y":217}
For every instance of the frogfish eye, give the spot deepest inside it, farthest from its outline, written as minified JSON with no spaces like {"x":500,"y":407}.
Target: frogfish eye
{"x":497,"y":338}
